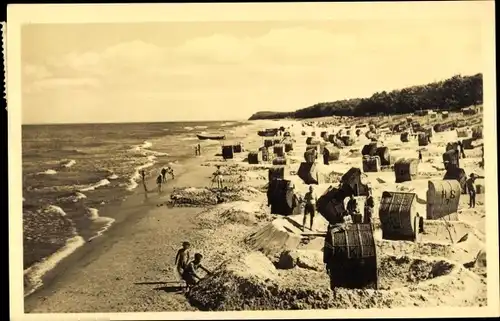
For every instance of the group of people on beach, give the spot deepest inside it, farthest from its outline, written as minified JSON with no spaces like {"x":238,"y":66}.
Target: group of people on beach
{"x":197,"y":150}
{"x":160,"y":179}
{"x":187,"y":268}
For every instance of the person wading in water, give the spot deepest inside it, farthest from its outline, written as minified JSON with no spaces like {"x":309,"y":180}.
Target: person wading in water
{"x":164,"y":174}
{"x":159,"y":180}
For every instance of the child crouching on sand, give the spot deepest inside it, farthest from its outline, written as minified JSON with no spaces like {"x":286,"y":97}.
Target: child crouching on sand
{"x":190,"y":274}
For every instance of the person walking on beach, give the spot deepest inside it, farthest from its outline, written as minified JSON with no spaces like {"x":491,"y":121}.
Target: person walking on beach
{"x":369,"y":206}
{"x":164,"y":174}
{"x":143,"y":175}
{"x":199,"y":150}
{"x":310,"y":207}
{"x":190,"y":274}
{"x":159,"y":180}
{"x":182,"y":258}
{"x":419,"y":156}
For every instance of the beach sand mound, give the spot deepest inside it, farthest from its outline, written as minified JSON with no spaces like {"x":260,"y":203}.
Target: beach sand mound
{"x":453,"y":240}
{"x":280,"y":234}
{"x":200,"y":197}
{"x":306,"y":259}
{"x":251,"y":282}
{"x":240,"y":212}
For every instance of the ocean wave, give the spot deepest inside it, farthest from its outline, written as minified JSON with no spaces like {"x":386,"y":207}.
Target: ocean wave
{"x":33,"y":275}
{"x":102,"y":182}
{"x":107,"y":221}
{"x":70,"y":163}
{"x":227,"y":124}
{"x":188,"y":138}
{"x":48,"y":172}
{"x":201,"y":127}
{"x":113,"y":176}
{"x":188,"y":128}
{"x":56,"y":209}
{"x":145,"y":150}
{"x":75,"y":197}
{"x":137,"y":175}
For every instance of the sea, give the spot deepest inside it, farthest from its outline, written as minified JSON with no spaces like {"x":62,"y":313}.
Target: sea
{"x":72,"y":172}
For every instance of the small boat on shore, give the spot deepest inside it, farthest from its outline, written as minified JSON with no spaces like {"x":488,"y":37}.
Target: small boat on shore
{"x":211,"y":137}
{"x":268,"y":132}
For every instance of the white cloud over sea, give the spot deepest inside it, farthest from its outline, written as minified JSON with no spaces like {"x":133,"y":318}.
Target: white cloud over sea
{"x":230,"y":71}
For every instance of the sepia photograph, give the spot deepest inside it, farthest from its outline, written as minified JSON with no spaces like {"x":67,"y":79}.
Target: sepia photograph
{"x":329,"y":158}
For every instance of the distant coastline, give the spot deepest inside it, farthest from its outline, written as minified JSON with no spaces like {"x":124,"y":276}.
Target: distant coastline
{"x":451,"y":94}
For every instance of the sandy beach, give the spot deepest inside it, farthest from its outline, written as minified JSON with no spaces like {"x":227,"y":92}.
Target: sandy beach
{"x":131,"y":267}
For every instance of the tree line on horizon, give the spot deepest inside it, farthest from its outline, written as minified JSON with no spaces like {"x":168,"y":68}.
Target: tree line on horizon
{"x":447,"y":95}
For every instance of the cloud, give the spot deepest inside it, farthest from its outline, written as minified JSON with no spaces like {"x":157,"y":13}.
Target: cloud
{"x":289,"y":67}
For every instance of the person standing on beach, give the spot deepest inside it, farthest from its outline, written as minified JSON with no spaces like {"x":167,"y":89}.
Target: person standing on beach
{"x":164,"y":174}
{"x":219,"y":178}
{"x":471,"y":189}
{"x":182,"y":258}
{"x":159,"y":180}
{"x":352,"y":205}
{"x":143,"y":175}
{"x":369,"y":206}
{"x":419,"y":156}
{"x":310,"y":207}
{"x":461,"y":145}
{"x":199,"y":150}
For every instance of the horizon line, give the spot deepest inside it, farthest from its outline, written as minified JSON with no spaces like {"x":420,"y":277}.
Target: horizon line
{"x":135,"y":122}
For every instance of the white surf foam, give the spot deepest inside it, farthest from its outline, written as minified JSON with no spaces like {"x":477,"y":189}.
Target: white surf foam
{"x":137,"y":175}
{"x":107,"y":221}
{"x":102,"y":182}
{"x":35,"y":273}
{"x":189,"y":138}
{"x":200,"y":127}
{"x":48,"y":172}
{"x":70,"y":163}
{"x":146,"y":144}
{"x":188,"y":128}
{"x":56,"y":209}
{"x":113,"y":176}
{"x":79,"y":196}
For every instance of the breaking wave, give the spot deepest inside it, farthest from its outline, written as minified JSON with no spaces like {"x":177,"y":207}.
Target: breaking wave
{"x":94,"y":216}
{"x":102,"y":182}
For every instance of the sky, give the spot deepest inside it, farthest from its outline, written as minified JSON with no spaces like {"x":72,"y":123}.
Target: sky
{"x":181,"y":71}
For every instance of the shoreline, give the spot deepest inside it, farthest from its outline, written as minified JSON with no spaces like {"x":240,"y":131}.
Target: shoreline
{"x":125,"y":213}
